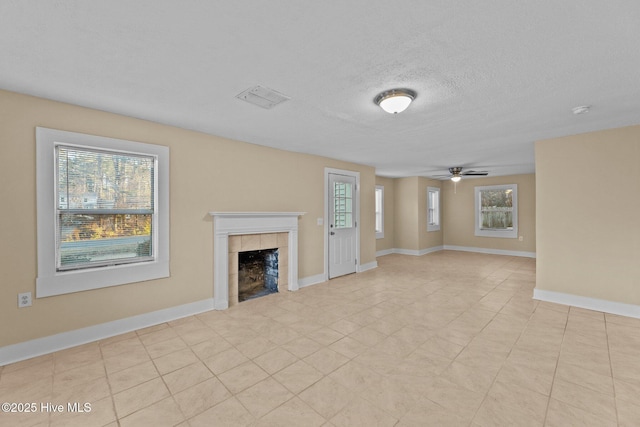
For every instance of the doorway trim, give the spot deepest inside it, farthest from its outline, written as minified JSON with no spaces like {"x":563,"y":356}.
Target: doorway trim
{"x":356,"y":175}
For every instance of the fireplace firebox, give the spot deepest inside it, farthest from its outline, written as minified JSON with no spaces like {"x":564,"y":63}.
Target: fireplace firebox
{"x":257,"y":273}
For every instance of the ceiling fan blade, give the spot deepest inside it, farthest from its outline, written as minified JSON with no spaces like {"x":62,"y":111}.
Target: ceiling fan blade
{"x":475,"y":173}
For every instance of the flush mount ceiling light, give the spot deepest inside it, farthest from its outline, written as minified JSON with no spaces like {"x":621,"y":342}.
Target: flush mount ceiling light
{"x":395,"y":101}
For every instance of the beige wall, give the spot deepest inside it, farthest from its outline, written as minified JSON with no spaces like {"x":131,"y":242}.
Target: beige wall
{"x":389,"y":213}
{"x":206,"y":175}
{"x":589,"y":215}
{"x":410,"y":215}
{"x":406,"y":214}
{"x":459,"y":217}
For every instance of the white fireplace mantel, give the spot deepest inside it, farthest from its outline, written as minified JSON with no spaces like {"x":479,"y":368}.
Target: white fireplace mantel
{"x":239,"y":223}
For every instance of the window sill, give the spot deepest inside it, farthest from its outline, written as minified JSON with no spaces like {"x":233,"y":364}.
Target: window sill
{"x":504,"y":234}
{"x":83,"y":280}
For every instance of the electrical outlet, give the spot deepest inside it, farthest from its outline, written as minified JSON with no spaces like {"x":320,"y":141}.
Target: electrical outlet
{"x":24,"y":300}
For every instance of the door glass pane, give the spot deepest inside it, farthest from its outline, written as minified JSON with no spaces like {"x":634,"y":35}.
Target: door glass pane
{"x":343,"y":205}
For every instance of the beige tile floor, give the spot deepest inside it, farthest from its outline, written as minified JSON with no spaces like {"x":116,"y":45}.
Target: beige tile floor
{"x":445,"y":339}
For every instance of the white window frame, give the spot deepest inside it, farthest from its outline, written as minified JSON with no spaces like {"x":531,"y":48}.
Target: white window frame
{"x":380,"y":190}
{"x":436,"y":209}
{"x":508,"y":234}
{"x":52,"y":282}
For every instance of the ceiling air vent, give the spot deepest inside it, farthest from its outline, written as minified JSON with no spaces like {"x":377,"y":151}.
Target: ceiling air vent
{"x":262,"y":97}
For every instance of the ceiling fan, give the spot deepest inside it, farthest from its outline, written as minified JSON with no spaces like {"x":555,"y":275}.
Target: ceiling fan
{"x":457,"y":174}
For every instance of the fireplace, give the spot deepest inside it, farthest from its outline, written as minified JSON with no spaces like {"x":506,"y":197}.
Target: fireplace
{"x":257,"y":273}
{"x":253,"y":247}
{"x":236,"y":232}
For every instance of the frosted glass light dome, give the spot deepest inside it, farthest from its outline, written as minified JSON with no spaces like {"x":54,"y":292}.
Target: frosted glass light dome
{"x":396,"y":100}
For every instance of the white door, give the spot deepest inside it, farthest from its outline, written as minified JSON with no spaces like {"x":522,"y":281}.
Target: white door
{"x":342,"y":225}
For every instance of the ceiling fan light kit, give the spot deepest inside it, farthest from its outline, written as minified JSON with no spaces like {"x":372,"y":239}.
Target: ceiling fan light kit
{"x":395,"y":101}
{"x":456,"y":174}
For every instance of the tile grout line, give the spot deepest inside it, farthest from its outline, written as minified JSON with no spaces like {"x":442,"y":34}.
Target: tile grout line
{"x":555,"y":371}
{"x":613,"y":381}
{"x":111,"y":394}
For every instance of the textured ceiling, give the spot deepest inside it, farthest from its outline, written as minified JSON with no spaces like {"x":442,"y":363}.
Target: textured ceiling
{"x":492,"y":77}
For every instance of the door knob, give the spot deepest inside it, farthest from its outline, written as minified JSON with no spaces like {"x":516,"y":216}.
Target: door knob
{"x":332,"y":233}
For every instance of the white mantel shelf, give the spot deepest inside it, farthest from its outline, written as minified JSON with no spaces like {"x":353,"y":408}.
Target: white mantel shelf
{"x":238,"y":223}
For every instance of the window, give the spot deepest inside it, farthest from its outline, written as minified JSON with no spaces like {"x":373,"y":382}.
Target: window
{"x":102,"y":212}
{"x":105,"y":211}
{"x":497,"y":211}
{"x":433,"y":209}
{"x":379,"y":212}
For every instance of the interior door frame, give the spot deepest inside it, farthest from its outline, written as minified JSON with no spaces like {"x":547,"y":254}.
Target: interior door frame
{"x":356,"y":175}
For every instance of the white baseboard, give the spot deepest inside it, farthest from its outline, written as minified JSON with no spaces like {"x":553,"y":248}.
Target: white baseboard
{"x":384,"y":252}
{"x":368,"y":266}
{"x":430,"y":250}
{"x":39,"y":346}
{"x":605,"y":306}
{"x":421,"y":252}
{"x":312,"y":280}
{"x":412,"y":252}
{"x":489,"y":251}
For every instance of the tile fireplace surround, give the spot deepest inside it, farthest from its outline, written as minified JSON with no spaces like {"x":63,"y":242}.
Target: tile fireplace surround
{"x":227,"y":224}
